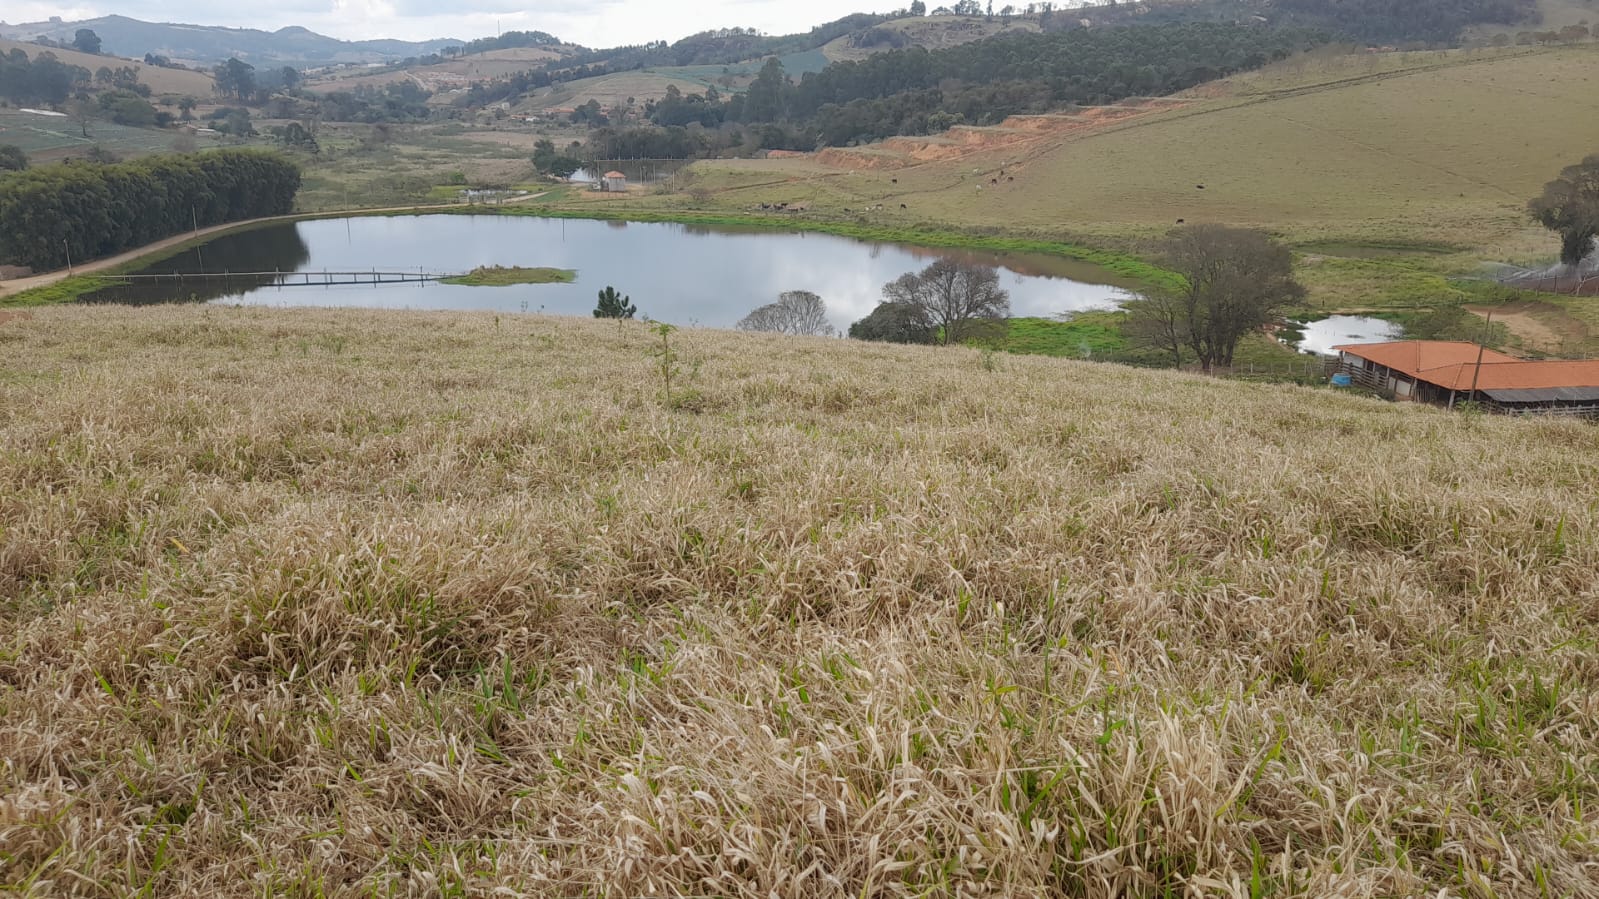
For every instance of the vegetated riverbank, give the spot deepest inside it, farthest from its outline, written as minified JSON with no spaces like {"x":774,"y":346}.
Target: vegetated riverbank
{"x":314,"y":597}
{"x":1128,"y":270}
{"x":505,"y":276}
{"x":1136,"y":271}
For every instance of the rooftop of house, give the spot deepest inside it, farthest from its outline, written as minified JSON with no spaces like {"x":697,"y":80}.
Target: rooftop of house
{"x":1455,"y":365}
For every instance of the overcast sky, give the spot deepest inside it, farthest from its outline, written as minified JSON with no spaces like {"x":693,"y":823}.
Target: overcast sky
{"x":593,"y":23}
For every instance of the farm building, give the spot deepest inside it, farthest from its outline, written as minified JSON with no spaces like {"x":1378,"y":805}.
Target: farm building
{"x":614,"y":181}
{"x":1450,"y":372}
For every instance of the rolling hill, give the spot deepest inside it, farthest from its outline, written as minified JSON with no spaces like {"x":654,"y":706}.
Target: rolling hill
{"x":452,"y":74}
{"x":161,"y":80}
{"x":1442,"y":147}
{"x":929,"y":32}
{"x":210,"y":44}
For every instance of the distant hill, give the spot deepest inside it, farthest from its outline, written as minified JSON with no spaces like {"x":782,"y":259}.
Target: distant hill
{"x":161,"y":80}
{"x":451,"y":74}
{"x":210,"y":44}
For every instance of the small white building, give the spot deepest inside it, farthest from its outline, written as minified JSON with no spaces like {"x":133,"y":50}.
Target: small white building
{"x":614,"y":181}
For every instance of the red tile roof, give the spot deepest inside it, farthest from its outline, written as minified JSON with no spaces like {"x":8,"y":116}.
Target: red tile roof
{"x":1454,"y":366}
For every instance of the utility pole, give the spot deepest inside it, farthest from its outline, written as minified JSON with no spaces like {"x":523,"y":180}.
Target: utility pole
{"x":68,"y":248}
{"x":1481,"y":348}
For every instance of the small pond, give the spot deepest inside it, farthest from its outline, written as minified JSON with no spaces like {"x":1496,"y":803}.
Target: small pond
{"x":1324,"y":334}
{"x":684,"y":274}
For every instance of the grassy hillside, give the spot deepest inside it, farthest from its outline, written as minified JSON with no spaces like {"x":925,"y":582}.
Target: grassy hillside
{"x":51,"y":138}
{"x":449,"y":75}
{"x":1421,"y":148}
{"x":179,"y":82}
{"x":332,"y":603}
{"x":932,"y":32}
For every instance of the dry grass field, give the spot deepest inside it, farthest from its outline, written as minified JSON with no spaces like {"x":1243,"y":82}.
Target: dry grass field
{"x":177,"y":82}
{"x":305,"y":603}
{"x":611,"y":90}
{"x":445,"y":76}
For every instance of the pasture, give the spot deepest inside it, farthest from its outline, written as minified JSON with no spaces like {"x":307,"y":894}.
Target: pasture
{"x":334,"y":602}
{"x":51,"y":138}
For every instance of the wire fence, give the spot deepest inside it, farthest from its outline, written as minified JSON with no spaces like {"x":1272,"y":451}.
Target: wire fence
{"x":1308,"y":368}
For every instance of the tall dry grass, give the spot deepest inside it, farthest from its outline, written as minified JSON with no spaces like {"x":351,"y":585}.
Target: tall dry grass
{"x":351,"y":603}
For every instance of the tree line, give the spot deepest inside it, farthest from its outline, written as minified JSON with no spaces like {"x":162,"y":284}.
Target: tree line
{"x":725,"y":46}
{"x":89,"y":211}
{"x":44,"y":80}
{"x":919,"y":91}
{"x":1393,"y":22}
{"x":982,"y":82}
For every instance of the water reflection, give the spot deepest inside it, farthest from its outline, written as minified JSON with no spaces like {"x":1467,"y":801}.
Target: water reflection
{"x":1322,"y":335}
{"x":279,"y":248}
{"x":677,"y":273}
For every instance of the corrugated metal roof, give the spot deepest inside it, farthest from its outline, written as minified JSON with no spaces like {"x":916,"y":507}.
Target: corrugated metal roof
{"x":1454,"y":366}
{"x":1546,"y":395}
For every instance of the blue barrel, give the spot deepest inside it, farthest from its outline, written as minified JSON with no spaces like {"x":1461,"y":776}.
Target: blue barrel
{"x":1342,"y":380}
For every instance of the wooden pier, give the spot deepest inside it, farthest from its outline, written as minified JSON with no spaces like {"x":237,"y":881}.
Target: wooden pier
{"x":284,"y":279}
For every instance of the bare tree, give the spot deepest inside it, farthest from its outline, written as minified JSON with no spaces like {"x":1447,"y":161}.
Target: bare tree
{"x":1159,"y":320}
{"x":82,"y":112}
{"x":797,"y":312}
{"x":958,"y":299}
{"x":1234,"y":281}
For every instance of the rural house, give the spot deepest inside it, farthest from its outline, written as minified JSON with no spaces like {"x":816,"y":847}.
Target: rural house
{"x":1449,"y":372}
{"x":614,"y":181}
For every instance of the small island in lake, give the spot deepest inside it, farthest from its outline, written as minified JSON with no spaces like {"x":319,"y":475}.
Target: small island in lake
{"x":502,"y":276}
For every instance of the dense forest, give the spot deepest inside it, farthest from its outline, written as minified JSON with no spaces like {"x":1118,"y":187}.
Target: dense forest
{"x":1081,"y":66}
{"x":1389,"y":22}
{"x":99,"y":210}
{"x":1402,"y":21}
{"x":917,"y":91}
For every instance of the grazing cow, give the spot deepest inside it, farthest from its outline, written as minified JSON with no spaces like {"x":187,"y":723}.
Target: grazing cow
{"x":903,"y":206}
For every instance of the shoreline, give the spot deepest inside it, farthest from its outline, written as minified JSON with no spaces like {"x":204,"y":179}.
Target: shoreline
{"x":35,"y":290}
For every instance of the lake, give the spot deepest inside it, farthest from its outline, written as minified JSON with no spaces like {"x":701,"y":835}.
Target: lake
{"x":685,"y":274}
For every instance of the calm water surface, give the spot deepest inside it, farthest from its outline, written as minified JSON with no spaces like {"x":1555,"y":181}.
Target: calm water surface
{"x":685,"y":274}
{"x":1321,"y":336}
